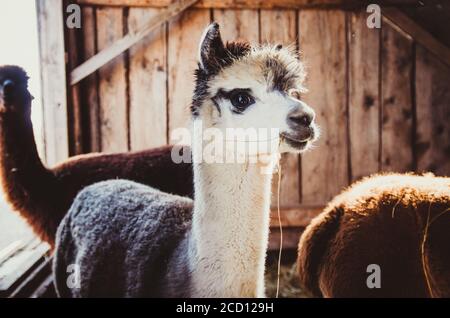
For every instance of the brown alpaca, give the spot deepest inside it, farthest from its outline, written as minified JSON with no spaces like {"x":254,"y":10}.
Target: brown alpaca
{"x":42,"y":195}
{"x":399,"y":222}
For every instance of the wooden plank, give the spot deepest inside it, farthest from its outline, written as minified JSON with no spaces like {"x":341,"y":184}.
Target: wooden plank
{"x":74,"y":111}
{"x":121,"y":44}
{"x":284,"y":33}
{"x":323,"y":43}
{"x":299,"y":216}
{"x":90,"y":84}
{"x":46,"y":287}
{"x":238,"y":24}
{"x":279,"y":26}
{"x":364,"y":96}
{"x":291,"y":237}
{"x":32,"y":280}
{"x":185,"y":32}
{"x":419,"y":34}
{"x":10,"y":250}
{"x":148,"y":79}
{"x":432,"y":89}
{"x":112,"y":84}
{"x":397,"y":104}
{"x":252,"y":4}
{"x":13,"y":271}
{"x":53,"y":78}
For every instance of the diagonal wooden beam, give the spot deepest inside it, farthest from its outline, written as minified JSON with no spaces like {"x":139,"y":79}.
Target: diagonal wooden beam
{"x":417,"y":33}
{"x":120,"y":46}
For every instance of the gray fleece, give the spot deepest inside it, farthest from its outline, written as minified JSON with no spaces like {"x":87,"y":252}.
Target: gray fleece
{"x":125,"y":240}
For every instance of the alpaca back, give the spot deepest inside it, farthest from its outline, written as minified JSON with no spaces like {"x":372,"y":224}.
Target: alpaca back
{"x":381,"y":220}
{"x":119,"y":237}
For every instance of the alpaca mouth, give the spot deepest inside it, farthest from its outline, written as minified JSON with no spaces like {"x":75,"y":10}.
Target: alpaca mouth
{"x":295,"y":143}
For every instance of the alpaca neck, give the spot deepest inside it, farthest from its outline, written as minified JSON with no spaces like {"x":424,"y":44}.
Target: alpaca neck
{"x":22,"y":172}
{"x":230,"y":228}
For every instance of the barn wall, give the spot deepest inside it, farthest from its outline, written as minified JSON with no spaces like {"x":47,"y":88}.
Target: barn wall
{"x":382,"y":100}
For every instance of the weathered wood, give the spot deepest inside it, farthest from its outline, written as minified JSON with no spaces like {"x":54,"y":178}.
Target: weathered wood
{"x":397,"y":104}
{"x":252,"y":4}
{"x":53,"y":76}
{"x":238,"y":24}
{"x":322,"y":40}
{"x":90,"y":84}
{"x":74,"y":111}
{"x":185,"y":32}
{"x":148,"y":91}
{"x":112,"y":84}
{"x":299,"y":216}
{"x":123,"y":43}
{"x":432,"y":141}
{"x":10,"y":250}
{"x":279,"y":27}
{"x":32,"y":280}
{"x":14,"y":270}
{"x":291,"y":237}
{"x":45,"y":288}
{"x":419,"y":34}
{"x":364,"y":96}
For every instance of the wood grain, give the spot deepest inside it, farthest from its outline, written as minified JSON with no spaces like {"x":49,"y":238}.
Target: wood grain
{"x":148,"y":91}
{"x":238,"y":24}
{"x":364,"y":96}
{"x":120,"y":45}
{"x":417,"y":32}
{"x":53,"y":76}
{"x":397,"y":117}
{"x":322,"y":40}
{"x":112,"y":84}
{"x":291,"y":236}
{"x":279,"y":27}
{"x":432,"y":141}
{"x":284,"y":33}
{"x":90,"y":84}
{"x":75,"y":109}
{"x":295,"y":217}
{"x":252,"y":4}
{"x":185,"y":32}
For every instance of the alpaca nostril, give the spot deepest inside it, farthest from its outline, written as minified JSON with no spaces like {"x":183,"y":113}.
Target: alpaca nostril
{"x":304,"y":119}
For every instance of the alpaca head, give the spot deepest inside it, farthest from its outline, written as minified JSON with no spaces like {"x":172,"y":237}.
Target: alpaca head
{"x":14,"y":96}
{"x":244,"y":87}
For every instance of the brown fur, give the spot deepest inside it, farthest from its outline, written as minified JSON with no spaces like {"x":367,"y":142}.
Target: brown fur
{"x":42,"y":195}
{"x":381,"y":220}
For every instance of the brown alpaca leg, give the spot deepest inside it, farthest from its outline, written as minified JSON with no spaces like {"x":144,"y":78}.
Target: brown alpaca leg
{"x":43,"y":196}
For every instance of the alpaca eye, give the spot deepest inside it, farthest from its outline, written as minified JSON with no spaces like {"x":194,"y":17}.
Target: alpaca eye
{"x":241,"y":100}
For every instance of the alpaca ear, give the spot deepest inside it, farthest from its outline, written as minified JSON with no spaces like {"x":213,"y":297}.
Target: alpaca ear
{"x":212,"y":49}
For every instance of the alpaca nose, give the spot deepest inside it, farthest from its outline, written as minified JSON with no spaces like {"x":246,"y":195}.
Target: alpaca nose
{"x":303,"y":118}
{"x":7,"y":86}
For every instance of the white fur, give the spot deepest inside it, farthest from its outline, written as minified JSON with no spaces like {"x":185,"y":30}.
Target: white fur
{"x":232,"y":201}
{"x":230,"y":229}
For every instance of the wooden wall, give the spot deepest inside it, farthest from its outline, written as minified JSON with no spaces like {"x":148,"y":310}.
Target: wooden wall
{"x":382,"y":100}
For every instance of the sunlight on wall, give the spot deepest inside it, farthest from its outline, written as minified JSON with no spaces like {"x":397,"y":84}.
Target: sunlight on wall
{"x":19,"y":38}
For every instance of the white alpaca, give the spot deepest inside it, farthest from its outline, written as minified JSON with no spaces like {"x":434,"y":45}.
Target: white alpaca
{"x":130,"y":240}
